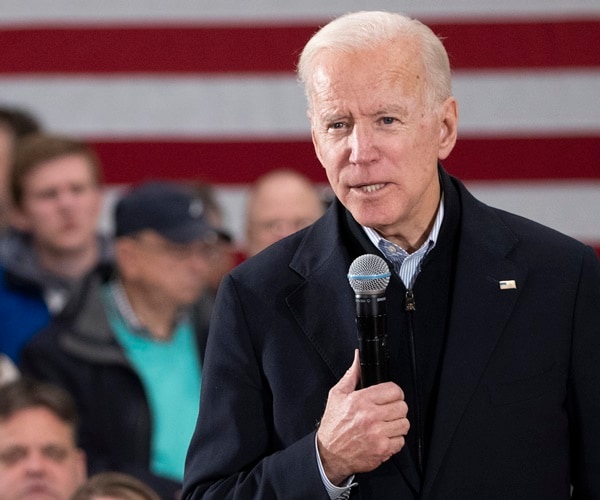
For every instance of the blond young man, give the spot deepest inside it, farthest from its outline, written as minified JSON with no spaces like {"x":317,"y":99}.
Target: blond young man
{"x":54,"y":244}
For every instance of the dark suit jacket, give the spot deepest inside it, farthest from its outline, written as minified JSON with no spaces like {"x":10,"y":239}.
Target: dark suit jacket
{"x":518,"y":408}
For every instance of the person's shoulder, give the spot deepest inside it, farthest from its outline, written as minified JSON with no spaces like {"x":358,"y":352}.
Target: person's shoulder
{"x":527,"y":232}
{"x":547,"y":249}
{"x":530,"y":230}
{"x":273,"y":259}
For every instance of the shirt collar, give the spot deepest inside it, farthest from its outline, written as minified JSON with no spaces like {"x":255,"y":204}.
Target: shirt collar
{"x":430,"y":242}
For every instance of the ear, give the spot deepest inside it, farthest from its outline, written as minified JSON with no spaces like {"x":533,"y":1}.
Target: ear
{"x":125,"y":256}
{"x":448,"y":127}
{"x":82,"y":470}
{"x":19,"y":220}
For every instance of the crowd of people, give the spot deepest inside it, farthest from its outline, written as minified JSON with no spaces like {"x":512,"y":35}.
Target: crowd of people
{"x":113,"y":325}
{"x":166,"y":360}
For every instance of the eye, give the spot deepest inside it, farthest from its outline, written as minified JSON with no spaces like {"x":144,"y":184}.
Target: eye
{"x":78,"y":188}
{"x":337,"y":125}
{"x":47,"y":194}
{"x":55,"y":453}
{"x":12,"y":455}
{"x":388,"y":120}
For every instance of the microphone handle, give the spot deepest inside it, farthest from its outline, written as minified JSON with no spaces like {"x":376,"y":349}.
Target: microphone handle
{"x":372,"y":339}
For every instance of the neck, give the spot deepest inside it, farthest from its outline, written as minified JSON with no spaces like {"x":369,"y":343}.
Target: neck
{"x":74,"y":264}
{"x":419,"y":230}
{"x":154,"y":313}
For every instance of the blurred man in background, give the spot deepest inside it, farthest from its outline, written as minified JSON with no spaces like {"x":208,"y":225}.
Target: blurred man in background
{"x":39,"y":457}
{"x":279,"y":203}
{"x":130,"y":350}
{"x":54,"y":244}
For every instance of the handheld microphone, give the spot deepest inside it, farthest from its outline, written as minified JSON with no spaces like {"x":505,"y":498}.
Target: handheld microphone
{"x":369,"y":276}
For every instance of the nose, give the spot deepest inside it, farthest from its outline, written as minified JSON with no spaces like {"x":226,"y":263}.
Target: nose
{"x":67,"y":198}
{"x":362,"y":145}
{"x":35,"y":463}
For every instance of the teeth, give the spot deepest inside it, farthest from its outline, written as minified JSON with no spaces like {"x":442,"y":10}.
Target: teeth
{"x":372,"y":188}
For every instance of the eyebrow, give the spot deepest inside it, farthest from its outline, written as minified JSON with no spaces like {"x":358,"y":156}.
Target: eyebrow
{"x":391,"y":109}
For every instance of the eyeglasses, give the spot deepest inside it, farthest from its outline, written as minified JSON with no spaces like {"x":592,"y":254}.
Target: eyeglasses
{"x":173,"y":250}
{"x":283,"y":226}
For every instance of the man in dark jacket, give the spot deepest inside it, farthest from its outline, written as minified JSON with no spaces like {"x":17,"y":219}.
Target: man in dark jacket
{"x":493,"y":321}
{"x":129,"y":350}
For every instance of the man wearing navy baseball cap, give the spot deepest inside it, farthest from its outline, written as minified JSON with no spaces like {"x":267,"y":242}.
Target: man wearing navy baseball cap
{"x":131,"y":349}
{"x":170,"y":209}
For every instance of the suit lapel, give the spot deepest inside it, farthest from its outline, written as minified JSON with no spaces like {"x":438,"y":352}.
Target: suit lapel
{"x":480,"y":310}
{"x":323,"y":304}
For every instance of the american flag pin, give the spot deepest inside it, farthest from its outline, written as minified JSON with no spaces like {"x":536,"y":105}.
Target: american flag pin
{"x":507,"y":284}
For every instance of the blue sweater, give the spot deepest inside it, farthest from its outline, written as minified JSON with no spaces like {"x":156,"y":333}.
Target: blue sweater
{"x":22,"y":313}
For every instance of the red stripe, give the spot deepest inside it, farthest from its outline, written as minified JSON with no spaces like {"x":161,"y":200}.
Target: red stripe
{"x":241,"y":162}
{"x":243,"y":49}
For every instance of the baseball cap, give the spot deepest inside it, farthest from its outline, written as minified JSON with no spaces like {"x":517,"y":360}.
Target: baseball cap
{"x":172,"y":210}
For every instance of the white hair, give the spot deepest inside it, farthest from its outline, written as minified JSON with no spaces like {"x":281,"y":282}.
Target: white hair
{"x":360,"y":30}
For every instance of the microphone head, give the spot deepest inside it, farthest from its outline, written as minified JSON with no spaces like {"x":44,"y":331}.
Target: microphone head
{"x":369,"y":274}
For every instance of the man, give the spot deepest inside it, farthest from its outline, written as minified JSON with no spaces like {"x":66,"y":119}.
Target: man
{"x":39,"y":457}
{"x":130,"y":350}
{"x":56,"y":188}
{"x":493,"y":323}
{"x":280,"y":203}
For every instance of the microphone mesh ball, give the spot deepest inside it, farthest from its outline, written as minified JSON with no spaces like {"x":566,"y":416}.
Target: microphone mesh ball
{"x":369,"y":273}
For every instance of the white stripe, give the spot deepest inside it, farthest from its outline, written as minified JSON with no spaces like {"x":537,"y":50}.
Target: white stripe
{"x":235,"y":11}
{"x":531,"y":102}
{"x":490,"y":103}
{"x":170,"y":107}
{"x":570,"y":207}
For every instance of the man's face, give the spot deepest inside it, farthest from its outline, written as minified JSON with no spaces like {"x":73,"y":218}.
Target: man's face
{"x":281,"y":206}
{"x":378,"y":140}
{"x":61,"y":204}
{"x":171,"y":272}
{"x":38,"y":457}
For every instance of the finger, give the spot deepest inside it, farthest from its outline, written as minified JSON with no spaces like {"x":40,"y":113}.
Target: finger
{"x":396,"y":444}
{"x":349,"y":381}
{"x":397,"y":428}
{"x":385,"y":393}
{"x":393,"y":411}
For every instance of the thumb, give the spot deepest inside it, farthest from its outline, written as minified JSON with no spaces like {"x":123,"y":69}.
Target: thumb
{"x":349,"y":381}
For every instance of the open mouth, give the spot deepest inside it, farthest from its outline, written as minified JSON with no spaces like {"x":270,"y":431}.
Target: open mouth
{"x":371,"y":188}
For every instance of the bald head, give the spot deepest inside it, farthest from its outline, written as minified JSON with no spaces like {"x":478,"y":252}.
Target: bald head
{"x":280,"y":203}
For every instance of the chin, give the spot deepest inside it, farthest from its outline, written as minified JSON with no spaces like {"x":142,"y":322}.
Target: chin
{"x":370,"y":217}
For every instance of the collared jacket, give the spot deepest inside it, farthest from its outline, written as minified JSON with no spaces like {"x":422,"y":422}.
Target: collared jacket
{"x":517,"y":399}
{"x":23,"y":306}
{"x":80,"y":352}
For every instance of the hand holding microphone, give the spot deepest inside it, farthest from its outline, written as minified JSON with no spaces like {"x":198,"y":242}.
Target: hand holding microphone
{"x":362,"y":429}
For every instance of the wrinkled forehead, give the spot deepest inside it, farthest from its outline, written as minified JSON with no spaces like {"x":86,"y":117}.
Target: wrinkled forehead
{"x":369,"y":82}
{"x":388,"y":64}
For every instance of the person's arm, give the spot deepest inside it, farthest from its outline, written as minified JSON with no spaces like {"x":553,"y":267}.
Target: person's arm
{"x":239,"y":448}
{"x":236,"y":450}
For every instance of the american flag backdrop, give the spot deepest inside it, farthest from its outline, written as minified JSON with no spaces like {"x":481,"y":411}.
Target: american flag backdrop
{"x":205,"y":89}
